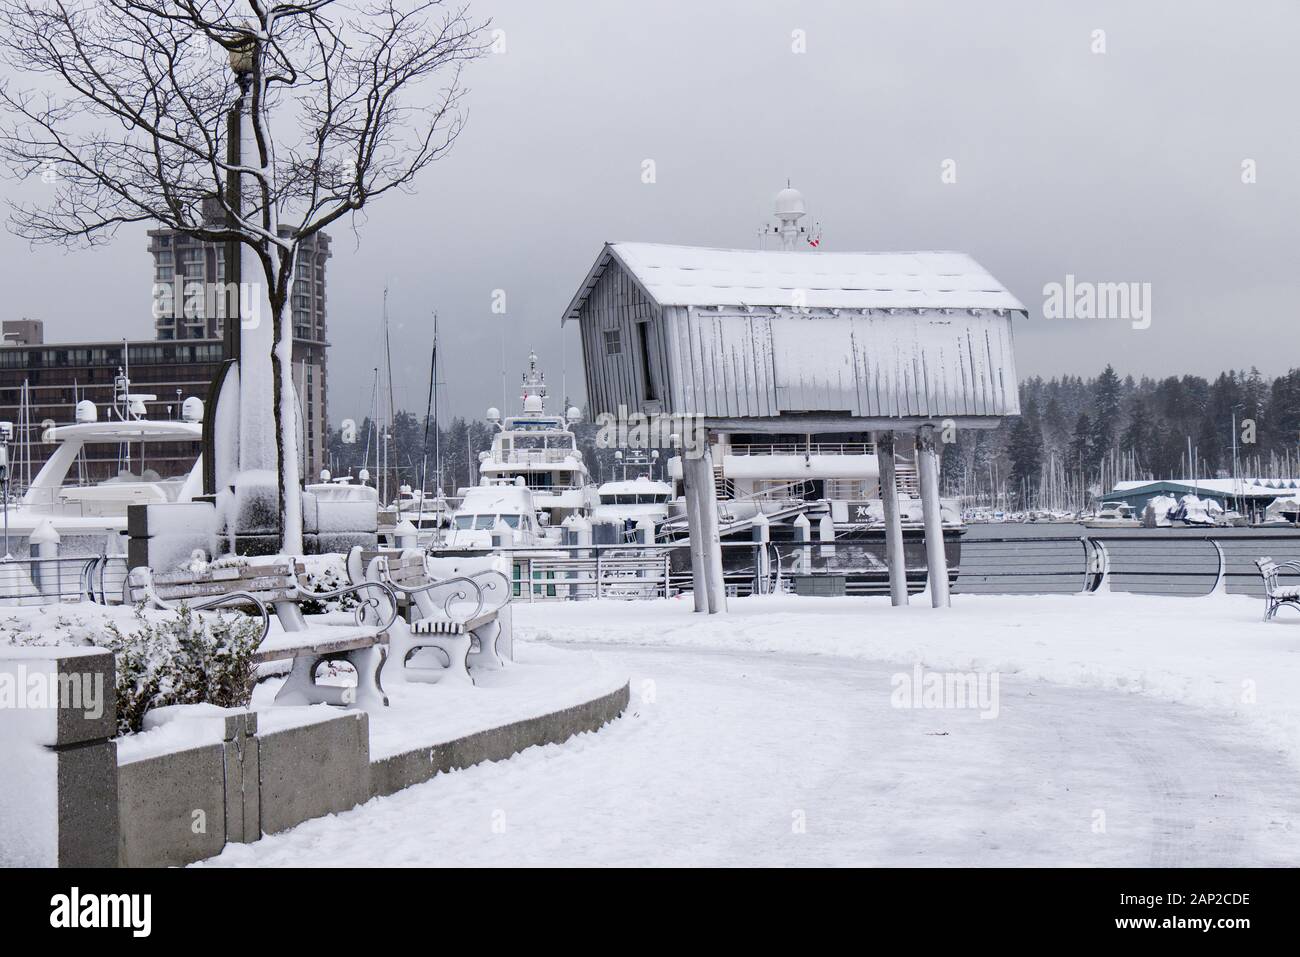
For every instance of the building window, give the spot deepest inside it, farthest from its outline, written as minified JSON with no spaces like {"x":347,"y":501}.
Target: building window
{"x":650,"y":393}
{"x":612,"y":344}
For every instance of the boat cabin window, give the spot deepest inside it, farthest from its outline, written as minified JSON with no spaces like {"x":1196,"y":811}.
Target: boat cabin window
{"x":535,"y":425}
{"x":535,"y":442}
{"x":645,"y":498}
{"x":487,"y":522}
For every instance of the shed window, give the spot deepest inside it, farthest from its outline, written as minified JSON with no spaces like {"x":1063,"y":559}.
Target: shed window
{"x":647,"y":377}
{"x":613,"y":346}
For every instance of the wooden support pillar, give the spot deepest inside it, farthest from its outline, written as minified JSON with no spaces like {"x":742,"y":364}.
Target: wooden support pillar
{"x":894,"y":556}
{"x":927,"y":466}
{"x":699,"y":581}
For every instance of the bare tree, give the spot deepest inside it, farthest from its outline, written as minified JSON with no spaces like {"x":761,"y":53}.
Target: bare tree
{"x":343,"y":102}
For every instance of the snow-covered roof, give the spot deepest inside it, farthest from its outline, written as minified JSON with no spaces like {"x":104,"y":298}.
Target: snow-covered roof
{"x":641,"y":485}
{"x":491,"y":499}
{"x":1243,"y":486}
{"x":698,"y":276}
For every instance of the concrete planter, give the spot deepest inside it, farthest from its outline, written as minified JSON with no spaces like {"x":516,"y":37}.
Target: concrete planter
{"x":185,"y":805}
{"x":221,"y":777}
{"x":58,"y":714}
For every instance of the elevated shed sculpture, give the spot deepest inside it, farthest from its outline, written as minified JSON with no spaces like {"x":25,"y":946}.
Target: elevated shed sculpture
{"x":789,"y":341}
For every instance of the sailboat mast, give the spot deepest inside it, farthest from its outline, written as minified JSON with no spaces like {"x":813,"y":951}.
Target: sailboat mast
{"x":430,"y":414}
{"x":388,"y":434}
{"x":437,"y":431}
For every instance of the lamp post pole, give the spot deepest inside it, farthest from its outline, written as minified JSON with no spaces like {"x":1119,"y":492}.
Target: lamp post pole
{"x":5,"y":431}
{"x":214,"y":476}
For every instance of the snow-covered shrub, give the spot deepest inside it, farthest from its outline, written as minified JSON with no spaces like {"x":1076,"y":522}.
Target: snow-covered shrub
{"x":182,"y":659}
{"x":326,"y":573}
{"x":161,"y":657}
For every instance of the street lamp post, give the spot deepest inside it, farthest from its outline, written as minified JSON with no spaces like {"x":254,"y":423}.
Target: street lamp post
{"x":6,"y":434}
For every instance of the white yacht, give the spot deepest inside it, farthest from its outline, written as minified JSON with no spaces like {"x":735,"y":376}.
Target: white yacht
{"x":635,"y":494}
{"x":499,"y":515}
{"x":91,"y":519}
{"x":1113,"y":515}
{"x":542,"y":451}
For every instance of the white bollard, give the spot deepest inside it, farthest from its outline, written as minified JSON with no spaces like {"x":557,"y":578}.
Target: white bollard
{"x":406,"y":535}
{"x":803,"y":532}
{"x":762,"y":530}
{"x":826,"y":535}
{"x":44,"y":544}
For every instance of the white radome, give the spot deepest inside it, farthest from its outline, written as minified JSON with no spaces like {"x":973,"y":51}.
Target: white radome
{"x":789,"y":202}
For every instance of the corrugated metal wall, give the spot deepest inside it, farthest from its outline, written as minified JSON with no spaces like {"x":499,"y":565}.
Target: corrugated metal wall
{"x":736,"y":364}
{"x":928,"y":365}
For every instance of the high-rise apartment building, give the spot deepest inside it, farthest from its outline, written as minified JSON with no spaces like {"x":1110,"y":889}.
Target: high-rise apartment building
{"x":190,"y":298}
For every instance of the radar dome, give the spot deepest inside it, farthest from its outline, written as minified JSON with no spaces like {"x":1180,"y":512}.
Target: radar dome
{"x":86,"y":411}
{"x":789,"y":203}
{"x":533,"y":403}
{"x":493,"y":414}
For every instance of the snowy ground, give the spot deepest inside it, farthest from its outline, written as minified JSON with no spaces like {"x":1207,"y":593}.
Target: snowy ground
{"x":771,"y":736}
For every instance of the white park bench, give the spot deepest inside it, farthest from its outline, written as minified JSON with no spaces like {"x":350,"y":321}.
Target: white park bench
{"x":1275,"y":595}
{"x":308,"y":641}
{"x":461,"y":618}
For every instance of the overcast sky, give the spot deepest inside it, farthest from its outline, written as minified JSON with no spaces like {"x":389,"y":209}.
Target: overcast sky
{"x":1115,"y":167}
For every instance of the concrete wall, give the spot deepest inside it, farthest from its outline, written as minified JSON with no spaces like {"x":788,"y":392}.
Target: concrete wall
{"x":186,"y":805}
{"x":412,"y":767}
{"x":313,"y":770}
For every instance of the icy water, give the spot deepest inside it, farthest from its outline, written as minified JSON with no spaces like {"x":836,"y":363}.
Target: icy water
{"x":727,"y":758}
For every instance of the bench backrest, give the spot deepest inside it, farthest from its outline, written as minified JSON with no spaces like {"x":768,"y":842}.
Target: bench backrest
{"x":269,"y":583}
{"x":407,"y":570}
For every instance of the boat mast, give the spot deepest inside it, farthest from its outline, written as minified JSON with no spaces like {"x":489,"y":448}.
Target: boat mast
{"x":388,"y":433}
{"x":430,"y":413}
{"x":373,"y":419}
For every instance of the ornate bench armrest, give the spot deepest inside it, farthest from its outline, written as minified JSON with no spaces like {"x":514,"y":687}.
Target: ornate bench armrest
{"x":496,"y":582}
{"x":243,"y":598}
{"x":382,"y":587}
{"x":446,"y":605}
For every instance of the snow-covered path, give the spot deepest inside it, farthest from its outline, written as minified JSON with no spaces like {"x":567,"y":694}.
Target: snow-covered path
{"x":755,"y":758}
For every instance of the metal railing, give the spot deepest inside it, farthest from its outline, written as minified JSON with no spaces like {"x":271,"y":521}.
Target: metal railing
{"x":46,"y":581}
{"x":1177,"y":562}
{"x":1182,"y":563}
{"x":802,"y":448}
{"x":533,"y":456}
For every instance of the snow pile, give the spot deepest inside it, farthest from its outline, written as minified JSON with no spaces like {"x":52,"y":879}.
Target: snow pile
{"x":80,"y":623}
{"x":1211,"y":652}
